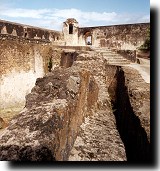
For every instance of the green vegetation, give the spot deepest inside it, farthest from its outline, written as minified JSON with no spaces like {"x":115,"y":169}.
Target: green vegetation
{"x":50,"y":64}
{"x":146,"y":44}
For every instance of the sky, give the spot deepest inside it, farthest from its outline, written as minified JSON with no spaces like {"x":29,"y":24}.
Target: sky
{"x":51,"y":14}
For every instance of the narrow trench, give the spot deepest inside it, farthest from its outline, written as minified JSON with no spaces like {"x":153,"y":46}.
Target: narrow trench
{"x":133,"y":135}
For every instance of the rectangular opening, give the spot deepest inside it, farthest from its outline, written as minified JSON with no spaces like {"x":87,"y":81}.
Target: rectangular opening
{"x":70,"y":28}
{"x":89,"y":40}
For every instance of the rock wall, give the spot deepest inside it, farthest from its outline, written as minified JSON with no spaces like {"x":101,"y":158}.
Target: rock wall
{"x":56,"y":108}
{"x":67,"y":58}
{"x":21,"y":63}
{"x":82,"y":110}
{"x":125,"y":37}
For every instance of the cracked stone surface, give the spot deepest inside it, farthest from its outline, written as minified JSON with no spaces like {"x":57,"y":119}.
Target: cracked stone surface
{"x":68,"y":114}
{"x":98,"y":140}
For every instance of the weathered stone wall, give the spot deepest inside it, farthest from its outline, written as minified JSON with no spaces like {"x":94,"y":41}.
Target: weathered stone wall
{"x":75,"y":92}
{"x":128,"y":37}
{"x":143,"y":54}
{"x":128,"y":54}
{"x":48,"y":127}
{"x":131,"y":106}
{"x":70,"y":36}
{"x":30,"y":32}
{"x":55,"y":110}
{"x":67,"y":58}
{"x":77,"y":48}
{"x":21,"y":63}
{"x":68,"y":115}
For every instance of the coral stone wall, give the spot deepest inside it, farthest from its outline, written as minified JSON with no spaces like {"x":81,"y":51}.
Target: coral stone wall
{"x":70,"y":36}
{"x":126,"y":37}
{"x":30,"y":32}
{"x":24,"y":50}
{"x":21,"y":64}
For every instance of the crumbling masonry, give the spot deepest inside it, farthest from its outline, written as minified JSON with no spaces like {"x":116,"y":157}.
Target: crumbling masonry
{"x":91,"y":106}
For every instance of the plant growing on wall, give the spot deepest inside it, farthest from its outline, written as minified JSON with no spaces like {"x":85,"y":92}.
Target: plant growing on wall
{"x":50,"y":64}
{"x":146,"y":44}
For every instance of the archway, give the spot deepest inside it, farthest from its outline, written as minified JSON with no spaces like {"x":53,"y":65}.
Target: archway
{"x":88,"y":38}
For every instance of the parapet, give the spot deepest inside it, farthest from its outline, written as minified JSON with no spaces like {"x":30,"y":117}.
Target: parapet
{"x":9,"y":29}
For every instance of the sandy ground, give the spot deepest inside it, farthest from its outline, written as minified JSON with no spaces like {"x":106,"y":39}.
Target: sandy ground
{"x":143,"y":68}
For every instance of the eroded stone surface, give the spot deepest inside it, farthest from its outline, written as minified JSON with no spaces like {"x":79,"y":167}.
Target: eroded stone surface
{"x":68,"y":114}
{"x":139,"y":95}
{"x":1,"y":123}
{"x":99,"y":139}
{"x":51,"y":119}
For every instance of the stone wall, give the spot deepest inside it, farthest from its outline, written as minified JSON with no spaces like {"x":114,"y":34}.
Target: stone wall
{"x":124,"y":37}
{"x":128,"y":54}
{"x":70,"y":33}
{"x":21,"y":63}
{"x":132,"y":112}
{"x":128,"y":36}
{"x":48,"y":127}
{"x":30,"y":32}
{"x":87,"y":111}
{"x":67,"y":58}
{"x":76,"y":48}
{"x":56,"y":108}
{"x":24,"y":51}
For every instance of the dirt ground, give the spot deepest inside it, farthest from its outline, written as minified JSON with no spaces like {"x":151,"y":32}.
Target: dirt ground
{"x":8,"y":114}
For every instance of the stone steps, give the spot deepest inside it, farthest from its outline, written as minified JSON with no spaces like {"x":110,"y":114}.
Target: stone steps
{"x":116,"y":59}
{"x":118,"y":64}
{"x":112,"y":58}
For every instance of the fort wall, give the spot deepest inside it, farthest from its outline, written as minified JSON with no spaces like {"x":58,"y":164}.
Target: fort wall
{"x":21,"y":64}
{"x":121,"y":37}
{"x":30,"y":32}
{"x":124,"y":37}
{"x":25,"y":51}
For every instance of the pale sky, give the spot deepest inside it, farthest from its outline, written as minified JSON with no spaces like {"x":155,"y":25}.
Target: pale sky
{"x":52,"y":13}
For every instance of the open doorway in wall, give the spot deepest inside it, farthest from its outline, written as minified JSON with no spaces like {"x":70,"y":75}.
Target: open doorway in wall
{"x":70,"y":28}
{"x":25,"y":34}
{"x":88,"y":38}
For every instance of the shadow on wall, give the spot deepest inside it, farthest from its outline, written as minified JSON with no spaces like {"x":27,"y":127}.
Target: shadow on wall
{"x":67,"y":59}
